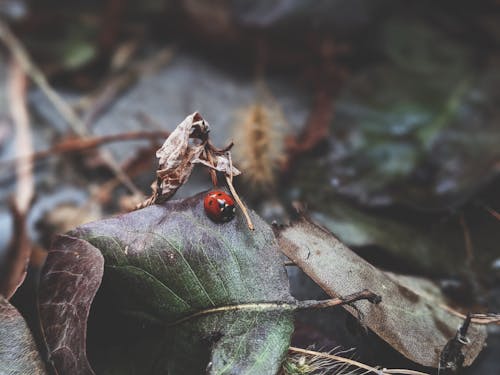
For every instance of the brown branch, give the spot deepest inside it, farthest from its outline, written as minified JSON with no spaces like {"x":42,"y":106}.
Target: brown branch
{"x":20,"y":248}
{"x":23,"y":144}
{"x":363,"y":295}
{"x":77,"y":144}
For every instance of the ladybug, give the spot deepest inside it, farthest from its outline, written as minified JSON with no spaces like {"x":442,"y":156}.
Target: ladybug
{"x":219,"y":206}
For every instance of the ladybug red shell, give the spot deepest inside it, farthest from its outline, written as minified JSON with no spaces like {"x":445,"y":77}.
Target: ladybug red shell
{"x":219,"y":206}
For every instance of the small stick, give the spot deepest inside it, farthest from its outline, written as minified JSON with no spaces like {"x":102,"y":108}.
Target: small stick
{"x":240,"y":203}
{"x":83,"y":144}
{"x":365,"y":294}
{"x":287,"y":306}
{"x":25,"y":185}
{"x":229,"y":180}
{"x":467,"y":239}
{"x":19,"y":253}
{"x":492,"y":212}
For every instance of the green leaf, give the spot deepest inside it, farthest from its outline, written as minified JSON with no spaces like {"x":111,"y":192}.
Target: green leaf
{"x":18,"y":352}
{"x":180,"y":294}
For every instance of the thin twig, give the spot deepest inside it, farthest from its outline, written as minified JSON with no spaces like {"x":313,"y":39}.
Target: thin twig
{"x":493,"y":213}
{"x":39,"y":78}
{"x":403,"y":372}
{"x":23,"y":144}
{"x":467,"y":239}
{"x":286,"y":306}
{"x":240,"y":203}
{"x":83,"y":144}
{"x":478,"y":318}
{"x":354,"y":363}
{"x":20,"y":248}
{"x":363,"y":295}
{"x":229,"y":180}
{"x":20,"y":53}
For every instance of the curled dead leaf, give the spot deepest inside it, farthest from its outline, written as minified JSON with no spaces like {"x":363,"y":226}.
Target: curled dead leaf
{"x":186,"y":146}
{"x":176,"y":155}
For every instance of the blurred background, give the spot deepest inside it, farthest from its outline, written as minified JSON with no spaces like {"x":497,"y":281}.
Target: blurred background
{"x":380,"y":117}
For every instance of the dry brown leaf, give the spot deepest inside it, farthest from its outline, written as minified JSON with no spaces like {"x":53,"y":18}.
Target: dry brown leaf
{"x":177,"y":154}
{"x":417,"y":327}
{"x":177,"y":158}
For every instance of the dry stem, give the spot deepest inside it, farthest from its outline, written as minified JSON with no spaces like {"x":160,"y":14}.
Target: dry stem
{"x":354,"y":363}
{"x":287,"y":306}
{"x":21,"y":55}
{"x":23,"y":142}
{"x":467,"y":239}
{"x":20,"y":247}
{"x":229,"y":180}
{"x":82,"y":144}
{"x":240,"y":203}
{"x":492,"y":212}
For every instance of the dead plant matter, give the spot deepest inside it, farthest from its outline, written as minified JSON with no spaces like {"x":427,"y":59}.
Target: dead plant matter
{"x":187,"y":145}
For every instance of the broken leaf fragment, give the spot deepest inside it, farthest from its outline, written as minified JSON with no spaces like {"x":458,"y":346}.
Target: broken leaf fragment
{"x":162,"y":264}
{"x":417,"y":327}
{"x":176,"y":154}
